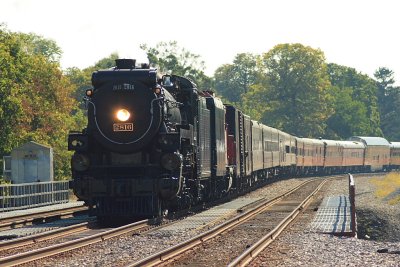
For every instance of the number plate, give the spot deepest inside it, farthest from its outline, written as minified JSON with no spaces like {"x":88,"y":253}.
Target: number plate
{"x":123,"y":127}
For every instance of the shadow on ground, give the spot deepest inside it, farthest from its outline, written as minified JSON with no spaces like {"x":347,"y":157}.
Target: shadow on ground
{"x":374,"y":226}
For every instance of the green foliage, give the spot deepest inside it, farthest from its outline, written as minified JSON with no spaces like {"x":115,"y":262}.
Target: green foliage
{"x":355,"y":104}
{"x":170,"y":58}
{"x":385,"y":82}
{"x":81,"y":81}
{"x":35,"y":97}
{"x":349,"y":117}
{"x":104,"y":63}
{"x":36,"y":45}
{"x":389,"y":103}
{"x":295,"y":88}
{"x":232,"y":81}
{"x":256,"y":102}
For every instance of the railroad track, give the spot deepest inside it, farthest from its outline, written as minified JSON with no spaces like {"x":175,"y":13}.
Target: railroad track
{"x":28,"y":219}
{"x":251,"y":218}
{"x":52,"y":234}
{"x":252,"y":252}
{"x":95,"y":237}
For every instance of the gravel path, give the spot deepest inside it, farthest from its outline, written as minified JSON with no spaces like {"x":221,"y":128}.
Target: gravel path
{"x":378,"y":229}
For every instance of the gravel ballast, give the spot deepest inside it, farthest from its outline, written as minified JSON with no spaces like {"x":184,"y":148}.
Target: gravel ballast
{"x":298,"y":247}
{"x":378,"y":242}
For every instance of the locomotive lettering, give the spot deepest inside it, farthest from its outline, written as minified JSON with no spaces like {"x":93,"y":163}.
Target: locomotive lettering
{"x":124,"y":86}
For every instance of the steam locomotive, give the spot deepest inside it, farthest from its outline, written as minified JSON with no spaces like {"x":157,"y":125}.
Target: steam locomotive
{"x":154,"y":144}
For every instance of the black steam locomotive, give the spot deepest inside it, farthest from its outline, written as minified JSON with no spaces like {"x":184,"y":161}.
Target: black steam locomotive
{"x":151,"y":144}
{"x":154,"y":144}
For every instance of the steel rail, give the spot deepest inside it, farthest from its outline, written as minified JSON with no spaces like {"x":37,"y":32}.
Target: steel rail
{"x":32,"y":239}
{"x":174,"y":251}
{"x":24,"y":219}
{"x":70,"y":245}
{"x":252,"y":252}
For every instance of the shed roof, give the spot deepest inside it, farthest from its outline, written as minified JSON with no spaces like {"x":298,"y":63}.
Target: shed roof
{"x":31,"y":145}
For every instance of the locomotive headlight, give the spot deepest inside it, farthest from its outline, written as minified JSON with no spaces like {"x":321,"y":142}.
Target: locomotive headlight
{"x":171,"y":161}
{"x":80,"y":162}
{"x":89,"y":92}
{"x":123,"y":115}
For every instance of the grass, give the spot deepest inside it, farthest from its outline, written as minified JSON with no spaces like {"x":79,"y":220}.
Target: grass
{"x":388,"y":187}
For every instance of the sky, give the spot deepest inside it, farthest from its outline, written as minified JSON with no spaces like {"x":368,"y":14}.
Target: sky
{"x":354,"y":33}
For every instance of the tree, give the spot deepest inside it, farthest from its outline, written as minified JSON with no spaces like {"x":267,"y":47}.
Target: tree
{"x":349,"y":117}
{"x":296,"y":86}
{"x":35,"y":97}
{"x":10,"y":106}
{"x":385,"y":82}
{"x":232,"y":81}
{"x":256,"y":102}
{"x":355,"y":103}
{"x":170,"y":58}
{"x":389,"y":103}
{"x":37,"y":45}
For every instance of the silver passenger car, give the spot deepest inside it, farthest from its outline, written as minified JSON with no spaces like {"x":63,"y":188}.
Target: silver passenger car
{"x":377,"y":152}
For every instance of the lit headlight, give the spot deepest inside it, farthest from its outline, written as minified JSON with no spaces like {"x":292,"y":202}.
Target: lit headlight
{"x":171,"y":161}
{"x":123,"y":115}
{"x":80,"y":162}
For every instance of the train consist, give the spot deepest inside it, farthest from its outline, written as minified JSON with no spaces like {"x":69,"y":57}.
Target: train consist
{"x":155,"y":144}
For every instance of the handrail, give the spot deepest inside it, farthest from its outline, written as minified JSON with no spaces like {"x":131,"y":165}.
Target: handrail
{"x":29,"y":195}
